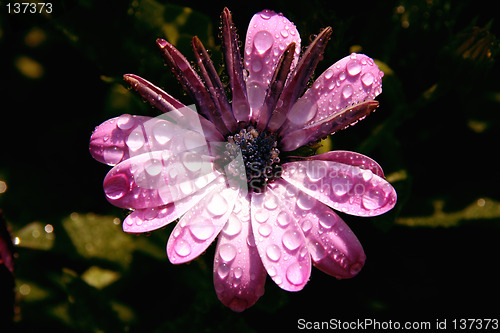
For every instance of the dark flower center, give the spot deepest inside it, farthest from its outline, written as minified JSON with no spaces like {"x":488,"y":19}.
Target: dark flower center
{"x":251,"y":155}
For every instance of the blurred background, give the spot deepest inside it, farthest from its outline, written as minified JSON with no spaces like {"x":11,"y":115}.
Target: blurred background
{"x":436,"y":134}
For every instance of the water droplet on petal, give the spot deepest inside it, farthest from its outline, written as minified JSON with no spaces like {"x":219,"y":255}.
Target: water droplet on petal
{"x":125,"y":122}
{"x":163,"y":131}
{"x":328,"y":74}
{"x":256,"y":94}
{"x":233,"y":226}
{"x":306,"y":225}
{"x":373,"y":199}
{"x":284,"y":33}
{"x":135,"y":140}
{"x":265,"y":230}
{"x":367,"y":79}
{"x":296,"y":274}
{"x":341,"y":184}
{"x":227,"y":252}
{"x":194,"y":140}
{"x":112,"y":155}
{"x":116,"y":187}
{"x":291,"y":240}
{"x":353,"y":67}
{"x":263,"y":41}
{"x":182,"y":248}
{"x":284,"y":219}
{"x":273,"y":252}
{"x":303,"y":111}
{"x":327,"y":220}
{"x":261,"y":215}
{"x":256,"y":65}
{"x":202,"y":229}
{"x":154,"y":168}
{"x":192,"y":161}
{"x":305,"y":202}
{"x":266,"y":15}
{"x":316,"y":170}
{"x":223,"y":270}
{"x":217,"y":205}
{"x":347,"y":91}
{"x":271,"y":203}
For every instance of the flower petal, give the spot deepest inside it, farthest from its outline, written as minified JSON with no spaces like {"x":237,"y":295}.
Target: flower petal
{"x":148,"y":219}
{"x":239,"y":276}
{"x":268,"y":36}
{"x":333,"y":246}
{"x":280,"y":241}
{"x":119,"y":138}
{"x":349,"y":158}
{"x":347,"y":188}
{"x":350,"y":81}
{"x":200,"y":225}
{"x":157,"y":178}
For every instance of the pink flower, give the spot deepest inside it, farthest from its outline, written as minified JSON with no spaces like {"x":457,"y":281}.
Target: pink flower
{"x":230,"y":173}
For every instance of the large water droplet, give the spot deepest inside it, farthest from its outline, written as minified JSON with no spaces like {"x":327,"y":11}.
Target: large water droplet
{"x":291,"y":240}
{"x":271,"y":203}
{"x":367,"y":79}
{"x":256,"y":65}
{"x":194,"y":140}
{"x":125,"y":122}
{"x":273,"y":252}
{"x":341,"y":184}
{"x":202,"y":229}
{"x":317,"y":251}
{"x":347,"y":91}
{"x":373,"y":199}
{"x":316,"y":170}
{"x":306,"y":226}
{"x":192,"y":161}
{"x":327,"y":220}
{"x":182,"y":248}
{"x":154,"y":167}
{"x":116,"y":187}
{"x":265,"y":230}
{"x":284,"y":219}
{"x":186,"y":187}
{"x":238,"y":273}
{"x":135,"y":140}
{"x":261,"y":215}
{"x":223,"y":270}
{"x":353,"y":67}
{"x":256,"y":94}
{"x":305,"y":202}
{"x":112,"y":155}
{"x":263,"y":41}
{"x":296,"y":274}
{"x":233,"y":226}
{"x":303,"y":111}
{"x":163,"y":131}
{"x":227,"y":252}
{"x":217,"y":205}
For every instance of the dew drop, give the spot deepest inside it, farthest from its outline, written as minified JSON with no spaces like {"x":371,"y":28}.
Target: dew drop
{"x":265,"y":230}
{"x":182,"y":248}
{"x":256,"y":94}
{"x":223,"y":270}
{"x":284,"y":219}
{"x":256,"y":66}
{"x":296,"y":274}
{"x":201,"y":229}
{"x":227,"y":252}
{"x":305,"y":202}
{"x":261,"y":215}
{"x":238,"y":273}
{"x":135,"y":140}
{"x":112,"y":155}
{"x":217,"y":205}
{"x":263,"y":41}
{"x":266,"y":15}
{"x":353,"y":67}
{"x":328,"y":74}
{"x":125,"y":122}
{"x":232,"y":227}
{"x":302,"y":111}
{"x":284,"y":33}
{"x":291,"y":240}
{"x":116,"y":187}
{"x":373,"y":199}
{"x":341,"y":184}
{"x":186,"y":187}
{"x":271,"y":203}
{"x":367,"y":79}
{"x":317,"y":251}
{"x":316,"y":170}
{"x":347,"y":91}
{"x":194,"y":140}
{"x":273,"y":252}
{"x":154,"y":168}
{"x":192,"y":161}
{"x":327,"y":220}
{"x":306,"y":225}
{"x":163,"y":132}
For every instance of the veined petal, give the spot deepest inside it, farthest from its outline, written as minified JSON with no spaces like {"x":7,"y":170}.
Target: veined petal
{"x":158,"y":178}
{"x":201,"y":224}
{"x":148,"y":219}
{"x":349,"y":158}
{"x":280,"y":241}
{"x":268,"y":35}
{"x":239,"y":276}
{"x":347,"y":188}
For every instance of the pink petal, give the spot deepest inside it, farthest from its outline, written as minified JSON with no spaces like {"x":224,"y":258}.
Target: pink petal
{"x":148,"y":219}
{"x":333,"y":246}
{"x":349,"y":158}
{"x":200,"y":225}
{"x":119,"y":138}
{"x":239,"y":276}
{"x":268,"y":36}
{"x":347,"y":188}
{"x":280,"y":241}
{"x":157,"y":178}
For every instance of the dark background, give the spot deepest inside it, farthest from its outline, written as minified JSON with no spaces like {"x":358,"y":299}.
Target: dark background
{"x":435,"y":134}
